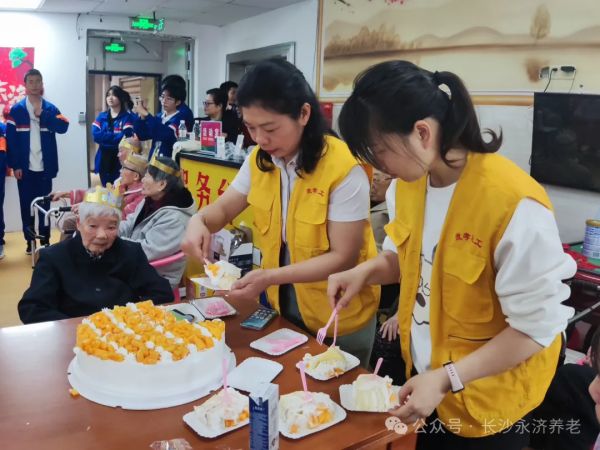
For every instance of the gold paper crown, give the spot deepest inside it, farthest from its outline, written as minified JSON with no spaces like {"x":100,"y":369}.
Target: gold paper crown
{"x":163,"y":167}
{"x":137,"y":163}
{"x":108,"y":196}
{"x":129,"y":146}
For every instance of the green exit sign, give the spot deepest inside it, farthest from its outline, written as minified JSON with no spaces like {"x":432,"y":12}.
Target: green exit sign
{"x":114,"y":47}
{"x":146,"y":24}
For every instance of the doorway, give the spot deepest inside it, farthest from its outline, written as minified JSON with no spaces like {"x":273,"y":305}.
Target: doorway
{"x":239,"y":63}
{"x":138,"y":85}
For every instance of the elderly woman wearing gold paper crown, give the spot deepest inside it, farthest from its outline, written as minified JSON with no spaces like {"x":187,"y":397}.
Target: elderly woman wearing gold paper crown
{"x":94,"y":270}
{"x":160,"y":220}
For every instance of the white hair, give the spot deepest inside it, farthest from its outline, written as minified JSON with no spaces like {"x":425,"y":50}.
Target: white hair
{"x":88,"y":209}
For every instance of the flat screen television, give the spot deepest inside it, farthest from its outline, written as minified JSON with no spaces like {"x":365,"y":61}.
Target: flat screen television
{"x":565,"y":148}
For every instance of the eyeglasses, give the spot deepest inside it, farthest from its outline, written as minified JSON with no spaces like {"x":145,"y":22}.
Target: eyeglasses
{"x":164,"y":98}
{"x":208,"y":103}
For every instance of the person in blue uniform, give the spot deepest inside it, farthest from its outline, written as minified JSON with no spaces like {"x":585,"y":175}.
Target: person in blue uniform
{"x":31,"y":129}
{"x":186,"y":113}
{"x":162,"y":128}
{"x":108,"y":129}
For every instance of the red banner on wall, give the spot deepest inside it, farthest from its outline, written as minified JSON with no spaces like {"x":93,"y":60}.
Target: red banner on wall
{"x":14,"y":63}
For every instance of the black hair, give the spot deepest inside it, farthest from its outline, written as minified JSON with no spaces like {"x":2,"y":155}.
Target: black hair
{"x":278,"y":86}
{"x":219,"y":97}
{"x":227,"y":85}
{"x":31,"y":73}
{"x":595,"y":351}
{"x":173,"y":183}
{"x":124,"y":99}
{"x":175,"y":90}
{"x":391,"y":96}
{"x":173,"y":79}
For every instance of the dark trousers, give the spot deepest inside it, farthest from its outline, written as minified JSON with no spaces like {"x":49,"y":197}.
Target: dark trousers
{"x":435,"y":436}
{"x":32,"y":185}
{"x":109,"y":177}
{"x":567,"y":402}
{"x":2,"y":181}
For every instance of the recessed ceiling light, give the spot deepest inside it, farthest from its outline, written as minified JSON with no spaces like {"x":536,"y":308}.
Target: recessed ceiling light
{"x":21,"y":4}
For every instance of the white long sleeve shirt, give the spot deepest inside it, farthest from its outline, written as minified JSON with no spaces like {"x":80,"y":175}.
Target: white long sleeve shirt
{"x":530,"y":266}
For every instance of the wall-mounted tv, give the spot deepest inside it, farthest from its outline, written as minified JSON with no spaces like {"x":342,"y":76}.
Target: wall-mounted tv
{"x":566,"y":140}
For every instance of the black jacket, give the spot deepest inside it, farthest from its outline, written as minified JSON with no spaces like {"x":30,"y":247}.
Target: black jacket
{"x":67,"y":282}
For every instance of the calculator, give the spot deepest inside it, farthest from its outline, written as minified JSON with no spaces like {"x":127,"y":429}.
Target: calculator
{"x":259,"y":319}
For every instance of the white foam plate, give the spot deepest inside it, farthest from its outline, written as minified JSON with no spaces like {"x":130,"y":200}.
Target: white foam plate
{"x":186,"y":308}
{"x":200,"y":428}
{"x":339,"y":414}
{"x":204,"y":304}
{"x":279,"y":342}
{"x":155,"y":400}
{"x":252,"y":372}
{"x":347,"y":399}
{"x":205,"y":281}
{"x":351,"y":362}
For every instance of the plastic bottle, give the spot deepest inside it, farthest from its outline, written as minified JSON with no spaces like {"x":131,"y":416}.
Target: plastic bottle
{"x":182,"y":131}
{"x":196,"y":130}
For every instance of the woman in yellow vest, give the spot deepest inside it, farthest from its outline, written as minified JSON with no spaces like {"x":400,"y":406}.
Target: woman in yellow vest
{"x":310,"y":202}
{"x":475,"y":244}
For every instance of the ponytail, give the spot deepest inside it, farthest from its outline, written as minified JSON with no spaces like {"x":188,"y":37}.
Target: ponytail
{"x":460,"y":126}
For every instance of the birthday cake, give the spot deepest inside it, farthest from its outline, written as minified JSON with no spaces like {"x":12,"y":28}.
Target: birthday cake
{"x":224,"y":410}
{"x":139,"y":350}
{"x":301,"y":412}
{"x":331,"y":363}
{"x":222,"y":274}
{"x":374,"y":393}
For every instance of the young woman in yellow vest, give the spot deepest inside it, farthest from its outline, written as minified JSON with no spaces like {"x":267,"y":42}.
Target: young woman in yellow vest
{"x":310,"y":202}
{"x":475,"y":245}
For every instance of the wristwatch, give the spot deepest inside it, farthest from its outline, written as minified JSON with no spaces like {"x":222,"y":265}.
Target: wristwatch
{"x":455,"y":383}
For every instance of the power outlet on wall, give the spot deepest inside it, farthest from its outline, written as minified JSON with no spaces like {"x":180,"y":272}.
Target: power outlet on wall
{"x":564,"y":72}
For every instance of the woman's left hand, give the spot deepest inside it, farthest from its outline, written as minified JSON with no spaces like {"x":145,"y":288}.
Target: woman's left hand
{"x":421,"y":395}
{"x":250,"y":286}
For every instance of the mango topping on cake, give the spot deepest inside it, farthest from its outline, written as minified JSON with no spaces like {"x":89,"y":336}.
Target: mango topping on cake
{"x":300,"y":412}
{"x":144,"y":333}
{"x":222,"y":274}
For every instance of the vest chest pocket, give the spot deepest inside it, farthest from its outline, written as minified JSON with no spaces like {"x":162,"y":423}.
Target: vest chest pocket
{"x":399,"y":233}
{"x":310,"y":222}
{"x":466,"y":295}
{"x":262,"y":205}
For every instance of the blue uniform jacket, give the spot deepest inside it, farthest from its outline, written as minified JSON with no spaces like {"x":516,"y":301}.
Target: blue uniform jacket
{"x":108,"y":137}
{"x":163,"y":135}
{"x":17,"y":136}
{"x":187,"y":115}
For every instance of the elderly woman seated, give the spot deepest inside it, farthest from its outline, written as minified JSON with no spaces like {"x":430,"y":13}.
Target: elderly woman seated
{"x":93,"y":270}
{"x":159,"y":221}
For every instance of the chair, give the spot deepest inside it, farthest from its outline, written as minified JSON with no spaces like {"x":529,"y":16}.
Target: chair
{"x":169,"y":260}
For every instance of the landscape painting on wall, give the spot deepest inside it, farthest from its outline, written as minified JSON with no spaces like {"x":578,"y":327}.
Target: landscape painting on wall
{"x":14,"y":63}
{"x":493,"y":45}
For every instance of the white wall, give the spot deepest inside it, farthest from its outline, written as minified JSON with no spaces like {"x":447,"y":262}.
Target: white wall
{"x":295,"y":23}
{"x":60,"y":54}
{"x":151,"y":61}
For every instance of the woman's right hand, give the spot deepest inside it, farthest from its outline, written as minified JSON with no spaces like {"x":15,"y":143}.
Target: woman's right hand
{"x":196,"y":242}
{"x":343,"y":286}
{"x":389,"y":328}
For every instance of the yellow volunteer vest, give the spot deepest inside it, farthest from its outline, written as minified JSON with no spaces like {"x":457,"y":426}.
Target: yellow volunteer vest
{"x":306,"y":231}
{"x":464,"y":309}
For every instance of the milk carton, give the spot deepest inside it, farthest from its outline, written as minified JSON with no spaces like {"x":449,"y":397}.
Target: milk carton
{"x":264,"y":417}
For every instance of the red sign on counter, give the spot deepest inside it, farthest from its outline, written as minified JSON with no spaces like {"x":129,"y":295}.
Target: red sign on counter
{"x":209,"y":130}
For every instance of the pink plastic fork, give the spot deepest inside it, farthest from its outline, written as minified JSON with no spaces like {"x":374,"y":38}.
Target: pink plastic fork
{"x":322,"y":333}
{"x":335,"y":324}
